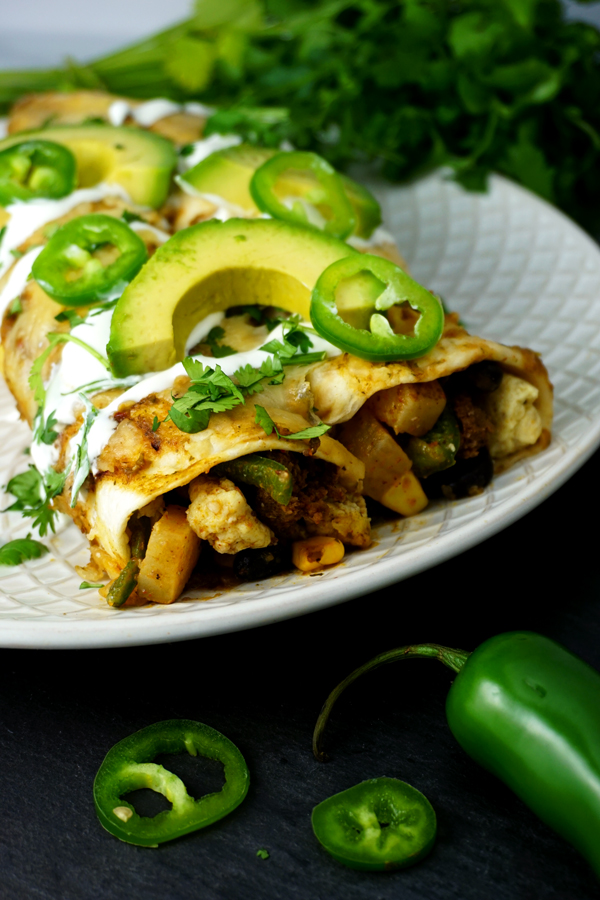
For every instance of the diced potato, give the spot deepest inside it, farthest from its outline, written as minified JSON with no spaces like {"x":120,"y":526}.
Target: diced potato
{"x":386,"y":464}
{"x":316,"y":552}
{"x":407,"y":497}
{"x":172,"y":553}
{"x":409,"y":408}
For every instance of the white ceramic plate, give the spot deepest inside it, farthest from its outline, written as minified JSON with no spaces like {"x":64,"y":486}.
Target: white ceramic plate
{"x":518,"y":272}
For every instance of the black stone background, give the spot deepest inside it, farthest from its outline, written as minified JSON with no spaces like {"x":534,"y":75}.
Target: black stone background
{"x":61,"y":711}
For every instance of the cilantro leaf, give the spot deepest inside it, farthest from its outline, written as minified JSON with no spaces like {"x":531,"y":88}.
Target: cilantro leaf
{"x":262,"y":418}
{"x":71,"y":316}
{"x":16,"y":306}
{"x":34,"y":493}
{"x":212,"y":339}
{"x":15,"y":552}
{"x":155,"y":424}
{"x":129,"y":216}
{"x":81,"y":468}
{"x":85,"y":585}
{"x":262,"y":853}
{"x":46,"y":433}
{"x":267,"y":424}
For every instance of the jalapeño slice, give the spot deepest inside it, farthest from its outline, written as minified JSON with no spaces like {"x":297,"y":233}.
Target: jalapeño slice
{"x":380,"y":824}
{"x":303,"y":188}
{"x":88,"y":259}
{"x":129,"y":766}
{"x":348,"y":304}
{"x":36,"y":169}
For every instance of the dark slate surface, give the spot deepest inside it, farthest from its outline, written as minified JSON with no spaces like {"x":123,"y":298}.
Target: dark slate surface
{"x":61,"y":711}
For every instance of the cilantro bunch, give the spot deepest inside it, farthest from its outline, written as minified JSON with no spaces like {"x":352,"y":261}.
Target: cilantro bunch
{"x":476,"y":85}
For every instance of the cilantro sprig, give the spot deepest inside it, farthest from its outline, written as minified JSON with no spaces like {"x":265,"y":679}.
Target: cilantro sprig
{"x":34,"y":494}
{"x":479,"y":86}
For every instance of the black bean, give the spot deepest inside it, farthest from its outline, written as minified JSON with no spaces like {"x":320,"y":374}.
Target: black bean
{"x":485,"y":376}
{"x":465,"y":478}
{"x":253,"y":565}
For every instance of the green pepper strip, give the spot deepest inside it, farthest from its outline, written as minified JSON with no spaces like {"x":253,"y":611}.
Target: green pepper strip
{"x":35,"y":169}
{"x":69,"y":272}
{"x":129,"y":766}
{"x":377,"y":343}
{"x":380,"y":824}
{"x":323,"y":189}
{"x":126,"y":581}
{"x":260,"y":471}
{"x":437,"y":449}
{"x":526,"y":709}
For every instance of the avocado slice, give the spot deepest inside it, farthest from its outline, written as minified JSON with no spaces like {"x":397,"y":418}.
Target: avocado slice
{"x":210,"y":267}
{"x":139,"y":161}
{"x":227,"y":174}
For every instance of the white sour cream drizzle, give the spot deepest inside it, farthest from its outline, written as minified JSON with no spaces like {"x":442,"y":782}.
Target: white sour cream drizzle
{"x":153,"y":111}
{"x":26,"y":218}
{"x":205,"y":147}
{"x":104,"y":425}
{"x":160,"y":235}
{"x":18,"y":278}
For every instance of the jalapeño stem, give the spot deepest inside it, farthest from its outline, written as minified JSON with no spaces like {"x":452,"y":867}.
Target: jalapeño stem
{"x":453,"y":659}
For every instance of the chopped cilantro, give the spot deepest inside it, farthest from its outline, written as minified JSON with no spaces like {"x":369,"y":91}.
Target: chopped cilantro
{"x":71,"y":316}
{"x":44,"y":431}
{"x":86,"y":585}
{"x":155,"y":424}
{"x":81,"y":462}
{"x":129,"y":216}
{"x":267,"y":424}
{"x":15,"y":307}
{"x":262,"y":853}
{"x":212,"y":339}
{"x":15,"y":552}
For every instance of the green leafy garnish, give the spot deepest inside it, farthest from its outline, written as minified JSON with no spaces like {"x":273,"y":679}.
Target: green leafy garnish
{"x":81,"y":468}
{"x":71,"y":316}
{"x":211,"y":391}
{"x":212,"y":340}
{"x":155,"y":424}
{"x":262,"y":853}
{"x":267,"y":424}
{"x":15,"y":307}
{"x":86,"y":585}
{"x":44,"y":431}
{"x":15,"y":552}
{"x":129,"y":216}
{"x":34,"y":493}
{"x":479,"y":86}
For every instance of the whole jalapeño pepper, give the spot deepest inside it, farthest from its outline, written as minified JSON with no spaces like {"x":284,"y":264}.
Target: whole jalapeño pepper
{"x":529,"y":711}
